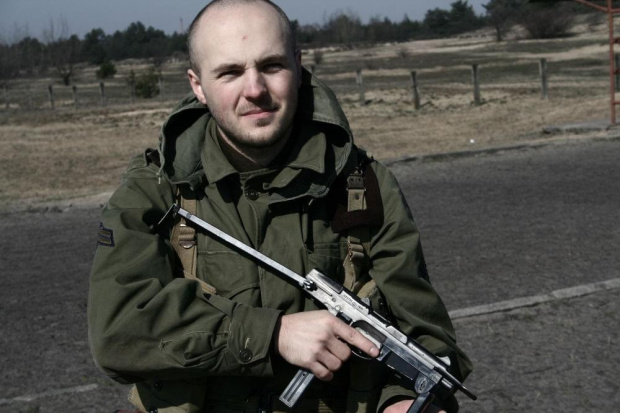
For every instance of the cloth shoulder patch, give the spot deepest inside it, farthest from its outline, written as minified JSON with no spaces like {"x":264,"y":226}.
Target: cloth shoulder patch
{"x":105,"y":236}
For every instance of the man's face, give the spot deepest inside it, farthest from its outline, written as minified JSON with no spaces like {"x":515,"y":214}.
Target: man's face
{"x":249,"y":74}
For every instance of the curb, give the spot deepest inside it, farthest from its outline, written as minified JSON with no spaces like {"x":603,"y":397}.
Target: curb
{"x":613,"y":135}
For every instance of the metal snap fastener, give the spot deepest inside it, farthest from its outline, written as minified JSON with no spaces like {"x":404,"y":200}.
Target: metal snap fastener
{"x":252,"y":194}
{"x":245,"y":355}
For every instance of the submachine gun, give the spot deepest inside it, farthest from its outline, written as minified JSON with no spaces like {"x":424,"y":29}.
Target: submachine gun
{"x":427,"y":374}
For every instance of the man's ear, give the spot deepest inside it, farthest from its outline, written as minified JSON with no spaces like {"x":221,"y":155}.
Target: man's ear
{"x":194,"y":82}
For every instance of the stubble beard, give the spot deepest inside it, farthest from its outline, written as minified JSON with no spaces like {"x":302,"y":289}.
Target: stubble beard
{"x":257,"y":138}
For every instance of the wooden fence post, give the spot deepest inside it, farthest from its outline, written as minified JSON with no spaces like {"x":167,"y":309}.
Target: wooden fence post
{"x":360,"y":85}
{"x":30,"y":104}
{"x":75,"y":96}
{"x":5,"y":92}
{"x":132,"y":88}
{"x":416,"y":92}
{"x":102,"y":91}
{"x":544,"y":83}
{"x":312,"y":68}
{"x":476,"y":80}
{"x":50,"y":91}
{"x":161,"y":87}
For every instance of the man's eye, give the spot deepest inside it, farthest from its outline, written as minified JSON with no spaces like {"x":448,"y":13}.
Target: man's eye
{"x":229,"y":74}
{"x":273,"y":67}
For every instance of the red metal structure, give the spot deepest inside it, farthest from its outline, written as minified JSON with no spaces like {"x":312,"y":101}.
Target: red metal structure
{"x":606,"y":6}
{"x":611,"y":11}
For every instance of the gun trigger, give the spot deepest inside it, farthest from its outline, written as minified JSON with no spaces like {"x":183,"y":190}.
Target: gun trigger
{"x":369,"y":332}
{"x":359,"y":353}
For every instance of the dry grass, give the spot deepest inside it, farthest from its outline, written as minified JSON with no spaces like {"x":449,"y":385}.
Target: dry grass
{"x":67,"y":153}
{"x":452,"y":122}
{"x":50,"y":156}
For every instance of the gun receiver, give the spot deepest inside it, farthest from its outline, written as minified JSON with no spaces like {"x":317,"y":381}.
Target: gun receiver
{"x":427,"y":374}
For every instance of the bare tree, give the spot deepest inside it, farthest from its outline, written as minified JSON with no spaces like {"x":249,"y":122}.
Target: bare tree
{"x":7,"y":65}
{"x":502,"y":14}
{"x":64,"y":50}
{"x":345,"y":28}
{"x":10,"y":55}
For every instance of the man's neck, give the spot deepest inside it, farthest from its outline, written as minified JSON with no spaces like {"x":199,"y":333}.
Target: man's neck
{"x":245,"y":159}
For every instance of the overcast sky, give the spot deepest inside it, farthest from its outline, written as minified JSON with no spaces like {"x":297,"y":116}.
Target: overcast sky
{"x":33,"y":16}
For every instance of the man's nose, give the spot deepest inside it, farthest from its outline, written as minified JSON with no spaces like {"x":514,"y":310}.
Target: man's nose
{"x":254,"y":86}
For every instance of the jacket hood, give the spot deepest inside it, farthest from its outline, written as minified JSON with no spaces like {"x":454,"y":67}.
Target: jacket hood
{"x":183,"y":136}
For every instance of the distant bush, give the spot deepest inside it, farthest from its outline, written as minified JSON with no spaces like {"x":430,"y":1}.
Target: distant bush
{"x":147,"y":84}
{"x":460,"y":18}
{"x":403,"y":52}
{"x":107,"y":70}
{"x":547,"y":22}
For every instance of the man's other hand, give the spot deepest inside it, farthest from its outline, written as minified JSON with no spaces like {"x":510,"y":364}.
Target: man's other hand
{"x":318,"y":341}
{"x":404,"y":405}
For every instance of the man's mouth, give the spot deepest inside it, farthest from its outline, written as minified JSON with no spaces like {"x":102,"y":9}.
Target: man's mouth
{"x":259,"y":112}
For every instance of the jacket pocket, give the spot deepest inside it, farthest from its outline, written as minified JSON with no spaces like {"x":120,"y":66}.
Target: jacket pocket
{"x":232,"y":275}
{"x":328,"y":258}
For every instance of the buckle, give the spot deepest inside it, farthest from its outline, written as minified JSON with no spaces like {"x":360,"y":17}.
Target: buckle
{"x":355,"y":180}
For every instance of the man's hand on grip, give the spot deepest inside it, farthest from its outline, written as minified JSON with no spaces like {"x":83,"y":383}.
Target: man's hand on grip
{"x":318,"y":341}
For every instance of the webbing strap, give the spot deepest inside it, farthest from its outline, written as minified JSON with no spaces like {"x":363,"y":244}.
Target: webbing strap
{"x":356,"y":277}
{"x":364,"y":385}
{"x":183,"y":240}
{"x":358,"y":239}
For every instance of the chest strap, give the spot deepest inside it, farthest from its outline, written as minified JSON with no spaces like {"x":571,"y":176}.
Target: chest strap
{"x":184,"y":242}
{"x":363,"y":211}
{"x":358,"y":237}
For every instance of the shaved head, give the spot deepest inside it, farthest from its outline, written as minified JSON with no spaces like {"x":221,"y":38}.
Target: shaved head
{"x":194,"y":28}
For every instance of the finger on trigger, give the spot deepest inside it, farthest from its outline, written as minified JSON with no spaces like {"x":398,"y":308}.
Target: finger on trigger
{"x":355,"y":338}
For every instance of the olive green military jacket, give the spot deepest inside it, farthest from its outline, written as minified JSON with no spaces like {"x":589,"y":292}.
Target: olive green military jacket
{"x":185,"y":347}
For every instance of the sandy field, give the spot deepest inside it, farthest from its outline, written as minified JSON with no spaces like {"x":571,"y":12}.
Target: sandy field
{"x":72,"y":152}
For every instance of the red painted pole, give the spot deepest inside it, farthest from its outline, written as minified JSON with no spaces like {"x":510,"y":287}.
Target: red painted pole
{"x":612,"y":63}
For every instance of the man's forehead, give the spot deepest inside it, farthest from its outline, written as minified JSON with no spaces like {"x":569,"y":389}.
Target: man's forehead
{"x":234,"y":33}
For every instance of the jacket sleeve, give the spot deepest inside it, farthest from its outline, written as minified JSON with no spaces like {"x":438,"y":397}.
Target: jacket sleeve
{"x":398,"y":269}
{"x":143,"y":322}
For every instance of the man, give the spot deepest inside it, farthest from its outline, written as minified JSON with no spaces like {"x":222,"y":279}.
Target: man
{"x":262,"y":149}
